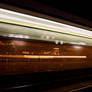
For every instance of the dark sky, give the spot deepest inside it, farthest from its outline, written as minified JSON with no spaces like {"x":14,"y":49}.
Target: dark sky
{"x":82,"y":9}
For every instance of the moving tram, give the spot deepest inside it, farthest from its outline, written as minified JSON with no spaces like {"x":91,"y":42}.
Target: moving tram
{"x":31,"y":44}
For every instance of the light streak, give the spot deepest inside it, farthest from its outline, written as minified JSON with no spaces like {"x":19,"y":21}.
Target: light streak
{"x":40,"y":57}
{"x":12,"y":17}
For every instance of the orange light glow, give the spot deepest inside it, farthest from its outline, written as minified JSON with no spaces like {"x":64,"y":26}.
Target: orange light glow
{"x":25,"y":52}
{"x":20,"y":43}
{"x":41,"y":57}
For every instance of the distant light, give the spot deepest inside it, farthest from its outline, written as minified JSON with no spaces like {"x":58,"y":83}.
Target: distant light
{"x":74,"y":42}
{"x":79,"y":43}
{"x":77,"y":47}
{"x":20,"y":43}
{"x":25,"y":36}
{"x":52,"y":37}
{"x":18,"y":36}
{"x":11,"y":35}
{"x":56,"y":48}
{"x":82,"y":43}
{"x":61,"y":42}
{"x":57,"y":42}
{"x":47,"y":37}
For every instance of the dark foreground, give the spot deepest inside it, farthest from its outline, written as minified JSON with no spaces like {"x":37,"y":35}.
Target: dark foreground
{"x":44,"y":81}
{"x":88,"y":89}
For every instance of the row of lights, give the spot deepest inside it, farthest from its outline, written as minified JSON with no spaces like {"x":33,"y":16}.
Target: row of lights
{"x":76,"y":43}
{"x":60,"y":42}
{"x":80,"y":43}
{"x":51,"y":38}
{"x":18,"y":36}
{"x":45,"y":37}
{"x":57,"y":42}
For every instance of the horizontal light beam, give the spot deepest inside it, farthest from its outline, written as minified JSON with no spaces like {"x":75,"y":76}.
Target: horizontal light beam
{"x":40,"y":57}
{"x":12,"y":17}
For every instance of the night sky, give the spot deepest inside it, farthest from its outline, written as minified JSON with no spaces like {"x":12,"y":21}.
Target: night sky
{"x":76,"y":8}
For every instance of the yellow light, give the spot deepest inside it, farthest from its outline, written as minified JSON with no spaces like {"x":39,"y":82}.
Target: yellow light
{"x":32,"y":21}
{"x":40,"y":57}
